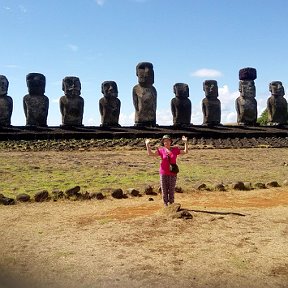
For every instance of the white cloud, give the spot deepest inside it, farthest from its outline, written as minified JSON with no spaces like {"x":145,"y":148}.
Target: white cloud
{"x":197,"y":115}
{"x":126,"y":120}
{"x":73,"y":47}
{"x":227,"y":98}
{"x":204,"y":72}
{"x":100,"y":2}
{"x":164,"y":117}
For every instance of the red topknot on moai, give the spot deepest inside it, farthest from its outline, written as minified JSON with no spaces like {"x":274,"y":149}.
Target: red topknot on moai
{"x":247,"y":74}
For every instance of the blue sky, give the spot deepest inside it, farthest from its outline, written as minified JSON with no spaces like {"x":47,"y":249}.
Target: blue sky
{"x":186,"y":40}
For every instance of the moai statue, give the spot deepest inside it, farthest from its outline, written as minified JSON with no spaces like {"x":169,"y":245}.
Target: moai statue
{"x":71,"y":104}
{"x":246,"y":104}
{"x":36,"y":104}
{"x":211,"y":105}
{"x":181,"y":105}
{"x":109,"y":105}
{"x":6,"y":103}
{"x":145,"y":96}
{"x":277,"y":104}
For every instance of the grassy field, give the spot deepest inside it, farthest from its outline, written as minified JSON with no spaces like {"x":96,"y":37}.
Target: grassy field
{"x":95,"y":171}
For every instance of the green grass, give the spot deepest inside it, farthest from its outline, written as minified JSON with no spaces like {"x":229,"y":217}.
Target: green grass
{"x":94,"y":171}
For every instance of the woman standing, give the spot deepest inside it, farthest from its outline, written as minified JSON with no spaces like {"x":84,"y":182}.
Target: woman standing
{"x":168,"y":156}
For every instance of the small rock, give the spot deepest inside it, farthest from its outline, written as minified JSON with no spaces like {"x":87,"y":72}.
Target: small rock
{"x":202,"y":186}
{"x":272,"y":184}
{"x":72,"y":191}
{"x":23,"y":197}
{"x":57,"y":194}
{"x":117,"y":193}
{"x":178,"y":189}
{"x":7,"y":201}
{"x":248,"y":186}
{"x":149,"y":191}
{"x":85,"y":196}
{"x":219,"y":187}
{"x":259,"y":185}
{"x":98,"y":196}
{"x":238,"y":186}
{"x":133,"y":192}
{"x":41,"y":196}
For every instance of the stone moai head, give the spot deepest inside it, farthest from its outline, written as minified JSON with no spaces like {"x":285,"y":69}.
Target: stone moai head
{"x":246,"y":84}
{"x":71,"y":86}
{"x":4,"y":84}
{"x":109,"y":89}
{"x":247,"y":88}
{"x":181,"y":90}
{"x":210,"y":87}
{"x":36,"y":83}
{"x":145,"y":73}
{"x":276,"y":88}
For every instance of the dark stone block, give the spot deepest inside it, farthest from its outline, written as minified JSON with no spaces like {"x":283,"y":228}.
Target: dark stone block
{"x":247,"y":73}
{"x":23,"y":197}
{"x":72,"y":191}
{"x":7,"y":201}
{"x":41,"y":196}
{"x":117,"y":193}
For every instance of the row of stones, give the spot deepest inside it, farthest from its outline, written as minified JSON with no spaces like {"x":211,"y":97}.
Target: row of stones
{"x":75,"y":194}
{"x":239,"y":185}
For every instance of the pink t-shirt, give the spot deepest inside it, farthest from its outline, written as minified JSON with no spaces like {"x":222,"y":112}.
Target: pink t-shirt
{"x":164,"y":165}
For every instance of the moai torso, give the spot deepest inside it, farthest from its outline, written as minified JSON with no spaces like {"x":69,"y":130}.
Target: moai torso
{"x":181,"y":105}
{"x":145,"y":96}
{"x":36,"y":104}
{"x":109,"y":105}
{"x":71,"y":104}
{"x":6,"y":103}
{"x":246,"y":104}
{"x":277,"y":104}
{"x":211,"y":105}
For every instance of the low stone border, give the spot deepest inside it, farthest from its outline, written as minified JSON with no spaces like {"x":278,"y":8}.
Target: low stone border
{"x":74,"y":193}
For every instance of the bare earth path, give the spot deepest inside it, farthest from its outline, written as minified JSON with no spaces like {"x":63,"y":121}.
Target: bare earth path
{"x":133,"y":243}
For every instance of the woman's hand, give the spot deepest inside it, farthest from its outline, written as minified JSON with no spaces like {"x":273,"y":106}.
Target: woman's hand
{"x":147,"y":141}
{"x":184,"y":139}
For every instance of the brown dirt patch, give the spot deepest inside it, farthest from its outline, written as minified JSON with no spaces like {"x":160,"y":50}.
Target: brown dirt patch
{"x":132,"y":243}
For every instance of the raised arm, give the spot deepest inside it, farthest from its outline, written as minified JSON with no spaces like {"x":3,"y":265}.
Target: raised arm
{"x":185,"y":140}
{"x":149,"y":151}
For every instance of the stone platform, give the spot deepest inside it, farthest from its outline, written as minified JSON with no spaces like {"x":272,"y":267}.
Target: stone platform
{"x":199,"y":136}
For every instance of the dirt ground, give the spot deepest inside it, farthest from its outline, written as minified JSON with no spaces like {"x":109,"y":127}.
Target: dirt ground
{"x":134,"y":243}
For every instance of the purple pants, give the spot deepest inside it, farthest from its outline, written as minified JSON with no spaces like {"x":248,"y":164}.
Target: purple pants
{"x":168,"y":183}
